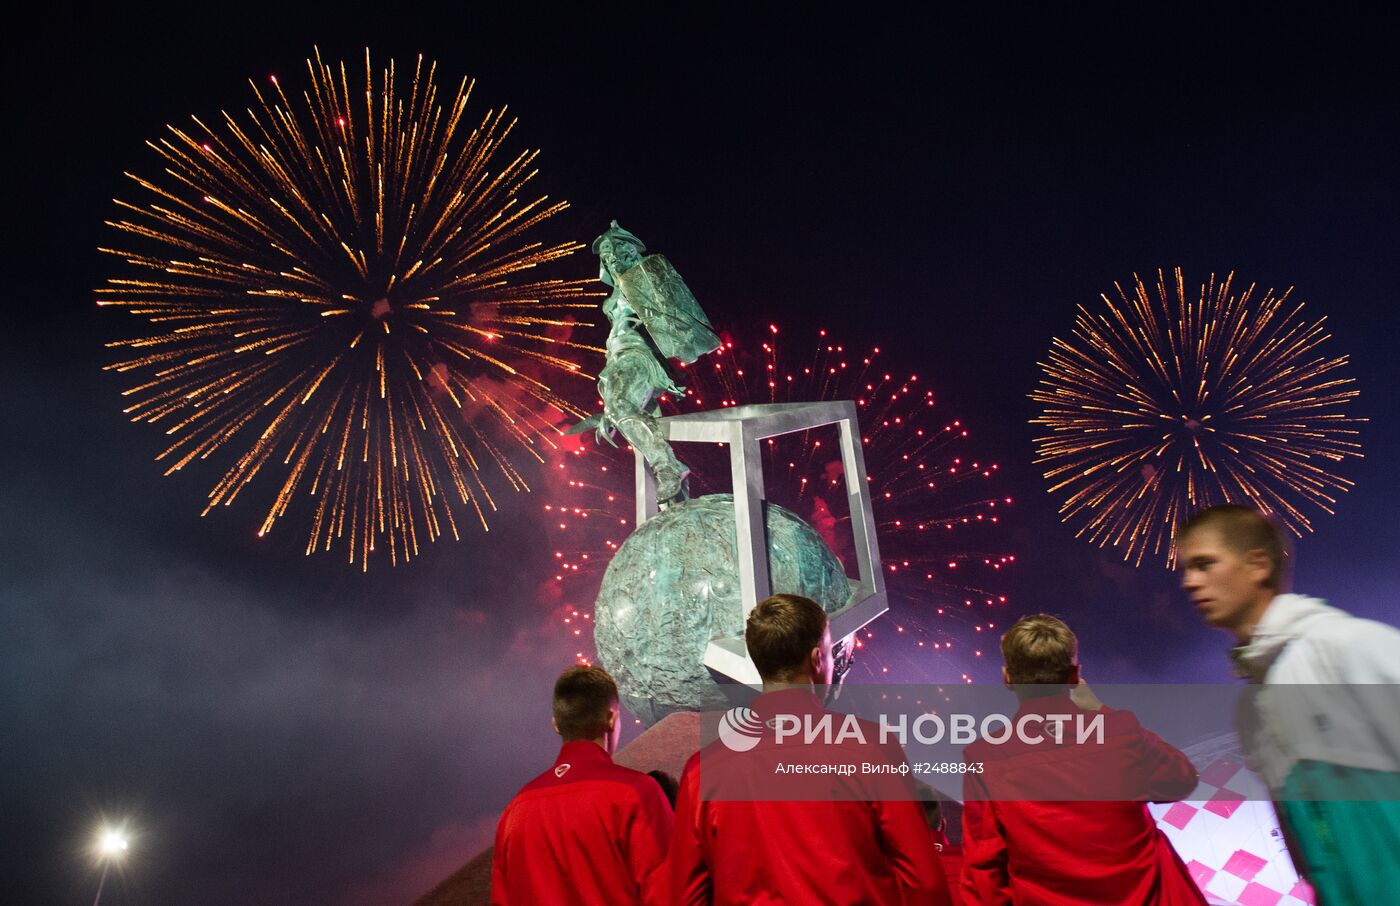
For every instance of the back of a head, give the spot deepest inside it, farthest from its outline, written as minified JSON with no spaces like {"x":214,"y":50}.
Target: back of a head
{"x":780,"y":634}
{"x":1243,"y":529}
{"x":1039,"y":650}
{"x":583,"y":696}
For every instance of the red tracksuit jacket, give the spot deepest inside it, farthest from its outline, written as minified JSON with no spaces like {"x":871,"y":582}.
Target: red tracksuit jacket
{"x":804,"y":853}
{"x":1075,"y":853}
{"x":585,"y":831}
{"x":951,"y":857}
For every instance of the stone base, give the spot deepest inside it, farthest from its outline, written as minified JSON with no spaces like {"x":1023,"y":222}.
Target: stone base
{"x":664,"y":747}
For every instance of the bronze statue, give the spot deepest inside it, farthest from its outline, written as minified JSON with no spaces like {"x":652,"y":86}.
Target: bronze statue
{"x":654,"y":317}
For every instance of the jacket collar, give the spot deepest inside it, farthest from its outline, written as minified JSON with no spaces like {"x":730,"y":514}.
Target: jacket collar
{"x":792,"y":700}
{"x":1287,"y":617}
{"x":581,"y":751}
{"x":1058,"y":703}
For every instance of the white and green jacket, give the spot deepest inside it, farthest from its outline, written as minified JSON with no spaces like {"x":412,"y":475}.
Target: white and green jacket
{"x":1324,"y":698}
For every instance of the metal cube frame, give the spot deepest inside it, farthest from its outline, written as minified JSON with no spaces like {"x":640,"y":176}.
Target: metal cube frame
{"x":742,"y":427}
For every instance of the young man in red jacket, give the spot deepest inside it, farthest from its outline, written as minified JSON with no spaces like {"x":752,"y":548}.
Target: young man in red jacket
{"x":1080,"y":848}
{"x":586,"y":831}
{"x":849,"y":840}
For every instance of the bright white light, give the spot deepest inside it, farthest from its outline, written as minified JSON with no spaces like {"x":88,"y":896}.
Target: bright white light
{"x":112,"y":843}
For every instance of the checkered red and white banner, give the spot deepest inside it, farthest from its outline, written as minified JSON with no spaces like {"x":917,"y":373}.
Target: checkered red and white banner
{"x":1231,"y":842}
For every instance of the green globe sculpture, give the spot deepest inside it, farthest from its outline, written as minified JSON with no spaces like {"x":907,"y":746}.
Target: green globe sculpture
{"x":673,"y":585}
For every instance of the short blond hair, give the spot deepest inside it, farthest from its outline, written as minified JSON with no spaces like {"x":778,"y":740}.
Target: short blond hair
{"x":1039,"y":650}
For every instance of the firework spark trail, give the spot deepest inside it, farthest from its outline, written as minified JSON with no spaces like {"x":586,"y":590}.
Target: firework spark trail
{"x":935,"y":517}
{"x":1165,"y":402}
{"x":342,"y":289}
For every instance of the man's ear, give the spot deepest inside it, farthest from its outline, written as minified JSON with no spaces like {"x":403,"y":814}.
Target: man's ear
{"x":612,"y":719}
{"x":555,"y":724}
{"x":1006,"y":677}
{"x":1073,"y":676}
{"x":815,"y":660}
{"x":1259,"y":564}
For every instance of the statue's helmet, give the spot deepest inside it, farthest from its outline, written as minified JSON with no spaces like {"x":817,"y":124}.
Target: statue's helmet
{"x":617,"y":233}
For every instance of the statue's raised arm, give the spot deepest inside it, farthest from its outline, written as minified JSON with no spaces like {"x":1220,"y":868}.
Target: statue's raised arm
{"x":653,"y":317}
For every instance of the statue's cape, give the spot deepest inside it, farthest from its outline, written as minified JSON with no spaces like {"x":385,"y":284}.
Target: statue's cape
{"x":668,"y":310}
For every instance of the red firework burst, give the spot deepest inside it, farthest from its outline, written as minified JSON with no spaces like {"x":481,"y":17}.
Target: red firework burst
{"x":940,"y":521}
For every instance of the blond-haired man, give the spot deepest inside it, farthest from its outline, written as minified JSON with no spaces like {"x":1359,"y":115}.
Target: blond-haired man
{"x":1064,"y":823}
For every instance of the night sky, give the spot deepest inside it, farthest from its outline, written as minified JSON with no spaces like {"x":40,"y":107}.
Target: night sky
{"x":279,"y":729}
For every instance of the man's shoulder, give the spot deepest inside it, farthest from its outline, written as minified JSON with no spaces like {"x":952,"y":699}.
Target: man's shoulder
{"x":1337,"y":626}
{"x":1302,"y":618}
{"x":1119,"y":721}
{"x":603,"y":794}
{"x":1356,"y":629}
{"x":1075,"y":725}
{"x":1347,"y":640}
{"x":623,"y":776}
{"x":638,"y":780}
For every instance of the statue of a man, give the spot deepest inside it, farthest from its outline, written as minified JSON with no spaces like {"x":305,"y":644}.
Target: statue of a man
{"x":654,"y":317}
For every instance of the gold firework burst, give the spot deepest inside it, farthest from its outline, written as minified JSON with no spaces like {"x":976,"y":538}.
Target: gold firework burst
{"x":341,"y":291}
{"x":1164,"y":402}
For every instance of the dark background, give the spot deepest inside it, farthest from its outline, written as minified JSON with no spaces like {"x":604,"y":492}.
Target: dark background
{"x":278,"y":729}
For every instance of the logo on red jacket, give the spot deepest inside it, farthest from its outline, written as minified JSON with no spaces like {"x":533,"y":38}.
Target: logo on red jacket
{"x":562,"y":769}
{"x":740,"y":729}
